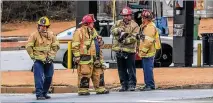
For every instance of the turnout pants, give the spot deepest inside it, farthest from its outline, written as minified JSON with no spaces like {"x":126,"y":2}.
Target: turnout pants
{"x":126,"y":69}
{"x":87,"y":72}
{"x":43,"y":74}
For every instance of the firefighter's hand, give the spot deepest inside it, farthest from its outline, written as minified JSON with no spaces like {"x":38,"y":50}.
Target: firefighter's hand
{"x":122,"y":34}
{"x":122,"y":37}
{"x":101,"y":43}
{"x":137,"y":50}
{"x":121,"y":40}
{"x":103,"y":67}
{"x":120,"y":30}
{"x":97,"y":64}
{"x":138,"y":36}
{"x":99,"y":38}
{"x":32,"y":57}
{"x":143,"y":53}
{"x":77,"y":59}
{"x":48,"y":60}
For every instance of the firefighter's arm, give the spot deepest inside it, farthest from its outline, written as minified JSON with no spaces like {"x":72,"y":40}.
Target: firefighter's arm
{"x":149,"y":33}
{"x":54,"y":47}
{"x":116,"y":29}
{"x":103,"y":66}
{"x":101,"y":57}
{"x":76,"y":43}
{"x":132,"y":38}
{"x":29,"y":46}
{"x":138,"y":45}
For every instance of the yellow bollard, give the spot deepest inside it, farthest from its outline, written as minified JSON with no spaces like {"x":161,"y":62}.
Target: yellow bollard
{"x":114,"y":11}
{"x":199,"y":55}
{"x":69,"y":56}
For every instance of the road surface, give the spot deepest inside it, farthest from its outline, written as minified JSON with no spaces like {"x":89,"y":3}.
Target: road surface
{"x":147,"y":96}
{"x":20,"y":60}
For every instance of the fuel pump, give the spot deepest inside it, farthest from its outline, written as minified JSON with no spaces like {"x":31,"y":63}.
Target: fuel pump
{"x":183,"y":33}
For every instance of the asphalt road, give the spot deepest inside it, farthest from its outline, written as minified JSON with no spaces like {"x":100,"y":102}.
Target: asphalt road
{"x":147,"y":96}
{"x":18,"y":60}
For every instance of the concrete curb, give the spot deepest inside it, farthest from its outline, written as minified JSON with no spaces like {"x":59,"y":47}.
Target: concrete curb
{"x":54,"y":89}
{"x":73,"y":89}
{"x":12,"y":48}
{"x":13,"y":39}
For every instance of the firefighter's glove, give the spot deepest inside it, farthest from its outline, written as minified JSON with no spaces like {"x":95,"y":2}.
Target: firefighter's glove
{"x":48,"y":60}
{"x":122,"y":37}
{"x":100,"y":41}
{"x":97,"y":63}
{"x":77,"y":60}
{"x":103,"y":67}
{"x":120,"y":30}
{"x":137,"y":50}
{"x":138,"y":36}
{"x":99,"y":38}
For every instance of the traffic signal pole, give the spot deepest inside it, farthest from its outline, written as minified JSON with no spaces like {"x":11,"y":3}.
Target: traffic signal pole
{"x":183,"y":33}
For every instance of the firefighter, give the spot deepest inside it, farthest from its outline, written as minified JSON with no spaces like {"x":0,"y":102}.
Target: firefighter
{"x":42,"y":46}
{"x":86,"y":49}
{"x":149,"y":43}
{"x":124,"y":44}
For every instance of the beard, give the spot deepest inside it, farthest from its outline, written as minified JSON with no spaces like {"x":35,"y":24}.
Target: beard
{"x":126,"y":21}
{"x":42,"y":31}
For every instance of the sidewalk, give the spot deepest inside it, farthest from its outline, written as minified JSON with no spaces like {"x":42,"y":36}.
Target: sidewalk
{"x":162,"y":96}
{"x":165,"y":78}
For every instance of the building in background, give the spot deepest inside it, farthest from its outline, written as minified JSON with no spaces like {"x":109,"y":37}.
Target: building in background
{"x":203,"y":8}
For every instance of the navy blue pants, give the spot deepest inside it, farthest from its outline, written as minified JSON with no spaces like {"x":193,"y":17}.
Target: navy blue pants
{"x":43,"y":74}
{"x":126,"y":69}
{"x":148,"y":65}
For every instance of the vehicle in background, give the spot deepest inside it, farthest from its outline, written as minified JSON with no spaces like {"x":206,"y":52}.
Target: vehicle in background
{"x":163,"y":57}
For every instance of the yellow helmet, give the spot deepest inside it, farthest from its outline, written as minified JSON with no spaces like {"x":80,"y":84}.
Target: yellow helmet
{"x":44,"y":21}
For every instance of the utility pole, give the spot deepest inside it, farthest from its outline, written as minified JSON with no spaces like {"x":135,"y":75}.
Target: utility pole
{"x":119,"y":6}
{"x":183,"y":33}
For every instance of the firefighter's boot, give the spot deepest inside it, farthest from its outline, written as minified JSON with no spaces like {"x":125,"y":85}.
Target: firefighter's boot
{"x":47,"y":97}
{"x":123,"y":89}
{"x":40,"y":98}
{"x":83,"y":93}
{"x":131,"y":88}
{"x":102,"y":91}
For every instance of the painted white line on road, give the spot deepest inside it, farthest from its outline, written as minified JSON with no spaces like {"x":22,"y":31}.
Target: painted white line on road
{"x":151,"y":101}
